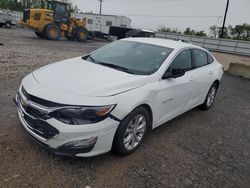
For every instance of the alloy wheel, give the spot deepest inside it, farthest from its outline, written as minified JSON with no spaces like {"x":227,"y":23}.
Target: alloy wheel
{"x":134,"y":132}
{"x":211,"y":96}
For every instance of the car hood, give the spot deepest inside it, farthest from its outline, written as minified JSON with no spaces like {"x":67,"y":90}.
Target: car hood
{"x":77,"y":76}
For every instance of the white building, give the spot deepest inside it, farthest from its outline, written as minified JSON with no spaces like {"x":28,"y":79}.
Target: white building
{"x":101,"y":23}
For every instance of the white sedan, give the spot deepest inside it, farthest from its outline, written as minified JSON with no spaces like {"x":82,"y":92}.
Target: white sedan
{"x":110,"y":98}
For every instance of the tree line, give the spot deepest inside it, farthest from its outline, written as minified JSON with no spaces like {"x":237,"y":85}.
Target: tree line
{"x":237,"y":32}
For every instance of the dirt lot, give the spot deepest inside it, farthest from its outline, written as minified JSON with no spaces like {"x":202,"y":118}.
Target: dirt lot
{"x":197,"y":149}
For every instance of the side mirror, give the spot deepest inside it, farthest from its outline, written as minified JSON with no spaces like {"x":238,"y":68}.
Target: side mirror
{"x":173,"y":74}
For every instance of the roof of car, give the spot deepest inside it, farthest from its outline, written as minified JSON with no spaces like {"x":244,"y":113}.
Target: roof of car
{"x":162,"y":42}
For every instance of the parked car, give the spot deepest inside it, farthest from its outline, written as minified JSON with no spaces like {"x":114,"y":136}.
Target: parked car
{"x":140,"y":33}
{"x":109,"y":99}
{"x":7,"y":20}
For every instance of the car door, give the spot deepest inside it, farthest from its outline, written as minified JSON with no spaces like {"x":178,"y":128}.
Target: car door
{"x":173,"y":94}
{"x":204,"y":71}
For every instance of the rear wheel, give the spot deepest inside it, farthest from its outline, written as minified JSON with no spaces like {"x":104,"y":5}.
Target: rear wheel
{"x":40,"y":35}
{"x":8,"y":25}
{"x":52,"y":32}
{"x":131,"y":131}
{"x":82,"y":34}
{"x":210,"y":97}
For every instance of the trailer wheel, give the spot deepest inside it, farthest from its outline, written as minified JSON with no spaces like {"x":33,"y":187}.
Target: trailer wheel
{"x":8,"y":25}
{"x":82,"y":34}
{"x":52,"y":32}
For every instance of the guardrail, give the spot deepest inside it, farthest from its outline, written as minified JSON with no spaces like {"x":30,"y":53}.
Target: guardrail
{"x":220,"y":45}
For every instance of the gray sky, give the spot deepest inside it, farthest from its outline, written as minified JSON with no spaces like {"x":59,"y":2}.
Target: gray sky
{"x":197,"y":14}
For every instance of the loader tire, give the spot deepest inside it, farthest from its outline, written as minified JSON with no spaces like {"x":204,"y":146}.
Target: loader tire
{"x":52,"y":32}
{"x":82,"y":34}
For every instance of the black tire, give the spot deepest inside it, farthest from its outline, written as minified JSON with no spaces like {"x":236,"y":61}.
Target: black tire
{"x":119,"y":139}
{"x":8,"y":25}
{"x":40,"y":35}
{"x":209,"y":101}
{"x":52,"y":32}
{"x":72,"y":36}
{"x":82,"y":34}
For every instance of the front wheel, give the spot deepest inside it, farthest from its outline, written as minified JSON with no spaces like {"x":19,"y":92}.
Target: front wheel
{"x":8,"y":25}
{"x":82,"y":34}
{"x":52,"y":32}
{"x":210,"y":97}
{"x":131,"y":132}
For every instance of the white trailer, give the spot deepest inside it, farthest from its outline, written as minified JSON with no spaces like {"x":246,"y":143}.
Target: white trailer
{"x":7,"y":19}
{"x":101,"y":23}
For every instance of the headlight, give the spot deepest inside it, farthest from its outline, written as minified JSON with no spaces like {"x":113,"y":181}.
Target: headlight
{"x":82,"y":115}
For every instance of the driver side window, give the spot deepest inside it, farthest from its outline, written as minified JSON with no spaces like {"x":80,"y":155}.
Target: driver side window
{"x":183,"y":61}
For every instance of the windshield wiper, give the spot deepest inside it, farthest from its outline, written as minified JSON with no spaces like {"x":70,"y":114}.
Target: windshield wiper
{"x":117,"y":67}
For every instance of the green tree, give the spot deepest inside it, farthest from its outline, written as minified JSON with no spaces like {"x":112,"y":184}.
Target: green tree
{"x":168,"y":29}
{"x":200,"y":33}
{"x":226,"y":32}
{"x":188,"y":31}
{"x":241,"y":32}
{"x":11,"y":5}
{"x":214,"y":31}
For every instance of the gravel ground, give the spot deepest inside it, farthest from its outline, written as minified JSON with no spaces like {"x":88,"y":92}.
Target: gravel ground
{"x":197,"y":149}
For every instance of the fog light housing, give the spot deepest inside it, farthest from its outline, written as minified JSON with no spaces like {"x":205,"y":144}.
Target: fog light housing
{"x":78,"y":144}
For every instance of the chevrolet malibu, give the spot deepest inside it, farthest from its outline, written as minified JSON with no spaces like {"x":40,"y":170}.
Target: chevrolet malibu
{"x":109,"y":99}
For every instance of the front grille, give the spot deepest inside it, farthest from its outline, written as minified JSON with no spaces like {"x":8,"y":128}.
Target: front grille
{"x":26,"y":15}
{"x":35,"y":113}
{"x":40,"y":127}
{"x":35,"y":119}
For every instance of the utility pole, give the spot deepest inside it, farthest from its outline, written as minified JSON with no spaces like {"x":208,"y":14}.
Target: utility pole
{"x":101,"y":1}
{"x":224,"y":21}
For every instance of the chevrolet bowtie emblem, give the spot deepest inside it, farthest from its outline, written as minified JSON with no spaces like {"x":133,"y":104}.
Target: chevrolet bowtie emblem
{"x":25,"y":102}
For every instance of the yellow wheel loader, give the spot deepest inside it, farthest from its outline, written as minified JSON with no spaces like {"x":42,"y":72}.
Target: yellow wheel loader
{"x":54,"y":21}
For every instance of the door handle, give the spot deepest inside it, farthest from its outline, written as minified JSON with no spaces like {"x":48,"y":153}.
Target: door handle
{"x":192,"y":78}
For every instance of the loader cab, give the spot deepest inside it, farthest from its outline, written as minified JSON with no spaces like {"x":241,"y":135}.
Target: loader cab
{"x":61,"y":11}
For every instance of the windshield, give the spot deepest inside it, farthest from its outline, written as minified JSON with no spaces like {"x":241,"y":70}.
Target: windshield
{"x":131,"y":57}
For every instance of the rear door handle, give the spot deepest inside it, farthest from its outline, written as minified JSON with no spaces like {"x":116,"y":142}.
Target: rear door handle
{"x":192,"y":78}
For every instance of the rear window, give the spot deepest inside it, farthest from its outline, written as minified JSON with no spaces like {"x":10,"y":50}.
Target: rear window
{"x":200,"y":57}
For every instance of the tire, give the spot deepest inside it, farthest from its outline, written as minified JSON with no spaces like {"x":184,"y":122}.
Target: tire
{"x":40,"y":35}
{"x":126,"y":140}
{"x":52,"y":32}
{"x":8,"y":25}
{"x":82,"y":34}
{"x":210,"y":98}
{"x":72,"y":36}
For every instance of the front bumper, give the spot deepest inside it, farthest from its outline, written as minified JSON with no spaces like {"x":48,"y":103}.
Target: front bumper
{"x":102,"y":133}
